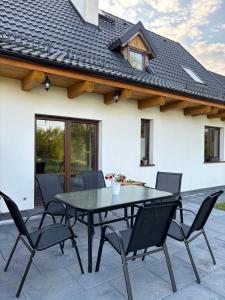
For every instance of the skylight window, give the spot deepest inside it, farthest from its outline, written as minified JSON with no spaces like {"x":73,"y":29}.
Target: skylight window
{"x":192,"y":74}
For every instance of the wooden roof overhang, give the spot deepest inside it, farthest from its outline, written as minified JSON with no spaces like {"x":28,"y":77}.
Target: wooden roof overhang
{"x":32,"y":75}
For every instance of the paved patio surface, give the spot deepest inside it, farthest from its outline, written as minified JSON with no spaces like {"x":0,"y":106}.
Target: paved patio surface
{"x":54,"y":276}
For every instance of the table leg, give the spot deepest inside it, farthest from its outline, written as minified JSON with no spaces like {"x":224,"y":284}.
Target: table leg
{"x":90,"y":241}
{"x":132,"y":218}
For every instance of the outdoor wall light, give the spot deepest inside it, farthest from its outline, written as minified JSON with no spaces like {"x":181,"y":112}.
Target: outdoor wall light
{"x":116,"y":96}
{"x":47,"y":83}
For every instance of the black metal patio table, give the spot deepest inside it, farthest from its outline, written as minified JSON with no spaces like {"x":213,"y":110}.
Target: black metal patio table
{"x":101,"y":200}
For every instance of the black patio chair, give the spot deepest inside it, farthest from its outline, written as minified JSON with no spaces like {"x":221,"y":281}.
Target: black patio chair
{"x":38,"y":240}
{"x":184,"y":233}
{"x":150,"y":230}
{"x":167,"y":182}
{"x":50,"y":185}
{"x":96,"y":180}
{"x":170,"y":182}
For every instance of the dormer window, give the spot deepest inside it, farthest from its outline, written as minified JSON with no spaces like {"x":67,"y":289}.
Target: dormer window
{"x":136,"y":46}
{"x":136,"y":59}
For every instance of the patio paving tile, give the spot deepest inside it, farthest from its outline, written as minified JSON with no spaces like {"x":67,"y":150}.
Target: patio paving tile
{"x":202,"y":258}
{"x":100,"y":292}
{"x":183,"y":271}
{"x":8,"y":292}
{"x":216,"y":281}
{"x":55,"y":285}
{"x":195,"y":292}
{"x":145,"y":285}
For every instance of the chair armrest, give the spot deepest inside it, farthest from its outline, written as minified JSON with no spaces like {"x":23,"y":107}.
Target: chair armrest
{"x":33,"y":215}
{"x":185,"y":209}
{"x":118,"y":236}
{"x":46,"y":229}
{"x":55,"y":201}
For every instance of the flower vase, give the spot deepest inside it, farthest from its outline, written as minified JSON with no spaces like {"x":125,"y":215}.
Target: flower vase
{"x":115,"y":188}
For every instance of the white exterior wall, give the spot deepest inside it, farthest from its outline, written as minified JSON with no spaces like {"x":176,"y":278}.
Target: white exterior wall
{"x":178,"y":141}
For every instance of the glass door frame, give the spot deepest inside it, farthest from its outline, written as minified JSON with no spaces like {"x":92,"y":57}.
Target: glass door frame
{"x":67,"y":145}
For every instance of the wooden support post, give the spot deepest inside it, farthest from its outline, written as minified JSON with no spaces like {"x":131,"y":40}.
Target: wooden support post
{"x":80,"y":88}
{"x":155,"y":101}
{"x":32,"y":80}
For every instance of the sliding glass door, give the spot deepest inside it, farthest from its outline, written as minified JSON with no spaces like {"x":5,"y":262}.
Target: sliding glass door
{"x":66,"y":147}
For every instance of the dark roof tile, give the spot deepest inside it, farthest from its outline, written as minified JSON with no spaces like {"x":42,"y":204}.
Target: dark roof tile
{"x":52,"y":31}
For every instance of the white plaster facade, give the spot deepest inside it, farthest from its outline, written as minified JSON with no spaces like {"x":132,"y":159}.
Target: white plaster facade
{"x":178,"y":141}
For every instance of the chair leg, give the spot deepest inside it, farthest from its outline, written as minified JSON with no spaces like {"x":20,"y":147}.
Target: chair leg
{"x":78,"y":255}
{"x":53,"y":219}
{"x":209,"y":247}
{"x":143,"y":258}
{"x":126,"y":217}
{"x":181,"y":213}
{"x":12,"y":252}
{"x":62,"y":219}
{"x":169,"y":266}
{"x":192,"y":261}
{"x":42,"y":220}
{"x":25,"y":273}
{"x":100,"y":253}
{"x":106,"y":214}
{"x":61,"y":247}
{"x":127,"y":277}
{"x":100,"y":219}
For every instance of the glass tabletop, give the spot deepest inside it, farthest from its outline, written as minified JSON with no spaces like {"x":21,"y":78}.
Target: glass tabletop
{"x":98,"y":199}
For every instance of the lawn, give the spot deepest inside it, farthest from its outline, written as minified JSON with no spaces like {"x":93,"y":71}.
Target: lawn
{"x":220,"y":206}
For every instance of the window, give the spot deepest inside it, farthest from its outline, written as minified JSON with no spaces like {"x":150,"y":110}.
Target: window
{"x":192,"y":74}
{"x":145,"y":142}
{"x":212,"y":144}
{"x":136,"y":59}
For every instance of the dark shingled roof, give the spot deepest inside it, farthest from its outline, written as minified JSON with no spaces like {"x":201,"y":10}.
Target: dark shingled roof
{"x":52,"y":32}
{"x":219,"y":77}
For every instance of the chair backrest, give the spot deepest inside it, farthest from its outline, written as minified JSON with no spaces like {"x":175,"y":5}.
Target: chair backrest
{"x":169,"y":182}
{"x":204,"y":212}
{"x":16,"y":215}
{"x":93,"y":180}
{"x":49,"y":185}
{"x":151,"y":226}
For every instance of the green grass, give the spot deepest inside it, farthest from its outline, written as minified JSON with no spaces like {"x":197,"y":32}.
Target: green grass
{"x":220,"y":206}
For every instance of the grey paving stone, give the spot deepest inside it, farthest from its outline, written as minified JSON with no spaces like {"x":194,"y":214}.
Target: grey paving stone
{"x":195,"y":292}
{"x":183,"y":271}
{"x":145,"y":285}
{"x":7,"y":234}
{"x":16,"y":268}
{"x":8,"y":292}
{"x":100,"y":292}
{"x":216,"y":281}
{"x":202,"y":258}
{"x":54,"y":285}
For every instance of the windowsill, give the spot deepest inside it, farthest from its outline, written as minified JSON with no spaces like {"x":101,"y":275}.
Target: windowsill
{"x":214,"y":162}
{"x":148,"y":165}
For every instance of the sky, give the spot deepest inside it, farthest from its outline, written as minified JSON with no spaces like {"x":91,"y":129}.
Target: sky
{"x":199,"y":25}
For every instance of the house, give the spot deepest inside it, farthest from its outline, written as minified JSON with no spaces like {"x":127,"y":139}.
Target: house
{"x":83,"y":89}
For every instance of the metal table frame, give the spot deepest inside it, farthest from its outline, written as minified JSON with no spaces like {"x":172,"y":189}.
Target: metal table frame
{"x":90,"y":216}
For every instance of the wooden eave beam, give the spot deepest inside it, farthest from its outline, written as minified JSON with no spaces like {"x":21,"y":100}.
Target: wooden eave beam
{"x":155,"y":101}
{"x":218,"y":115}
{"x":32,"y":80}
{"x":72,"y":74}
{"x":80,"y":88}
{"x":173,"y":105}
{"x":127,"y":94}
{"x":195,"y":111}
